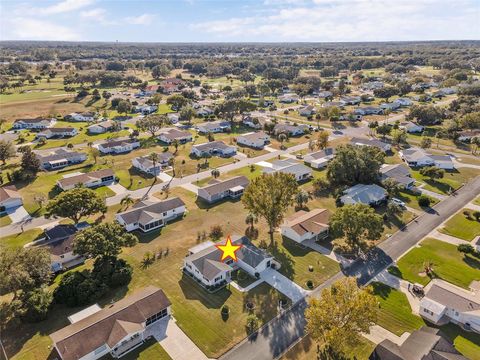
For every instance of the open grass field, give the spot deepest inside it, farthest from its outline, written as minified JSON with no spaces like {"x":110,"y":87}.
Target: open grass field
{"x":462,"y":227}
{"x":395,"y":313}
{"x":296,"y":260}
{"x":451,"y":181}
{"x":448,"y":264}
{"x":306,"y":349}
{"x":20,"y":239}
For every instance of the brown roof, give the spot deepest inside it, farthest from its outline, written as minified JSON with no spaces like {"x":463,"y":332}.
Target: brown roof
{"x":173,"y":134}
{"x":62,"y":246}
{"x":9,"y":192}
{"x":109,"y":325}
{"x":315,"y":221}
{"x":83,"y":178}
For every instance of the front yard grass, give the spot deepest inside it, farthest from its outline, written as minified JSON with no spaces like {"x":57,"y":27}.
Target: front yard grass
{"x":467,"y":343}
{"x":151,"y":349}
{"x":306,"y":349}
{"x":411,"y":199}
{"x":20,"y":239}
{"x":296,"y":260}
{"x":461,"y":227}
{"x":395,"y":313}
{"x":451,"y":181}
{"x":448,"y":264}
{"x":5,"y":220}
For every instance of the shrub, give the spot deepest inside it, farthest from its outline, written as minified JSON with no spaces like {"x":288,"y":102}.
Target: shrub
{"x":467,"y":214}
{"x":216,"y":232}
{"x":225,"y":310}
{"x":476,"y":215}
{"x":36,"y":305}
{"x":424,"y":201}
{"x":309,"y":284}
{"x":466,"y":248}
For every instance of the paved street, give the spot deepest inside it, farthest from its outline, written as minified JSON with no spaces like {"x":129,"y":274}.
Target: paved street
{"x":276,"y":337}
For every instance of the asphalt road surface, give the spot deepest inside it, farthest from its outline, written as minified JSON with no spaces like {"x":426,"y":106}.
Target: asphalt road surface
{"x":277,"y":336}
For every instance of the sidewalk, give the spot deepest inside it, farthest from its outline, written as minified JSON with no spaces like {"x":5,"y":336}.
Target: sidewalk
{"x":447,"y":238}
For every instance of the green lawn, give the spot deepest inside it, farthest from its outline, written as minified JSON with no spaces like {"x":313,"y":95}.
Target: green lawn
{"x":395,"y":313}
{"x":104,"y":191}
{"x":296,"y":260}
{"x":306,"y":349}
{"x":151,"y":349}
{"x":461,"y":227}
{"x":448,"y":264}
{"x":467,"y":343}
{"x":451,"y":181}
{"x":5,"y":220}
{"x":20,"y":239}
{"x":477,"y":201}
{"x":411,"y":199}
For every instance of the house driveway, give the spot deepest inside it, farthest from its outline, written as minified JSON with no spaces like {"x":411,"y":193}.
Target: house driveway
{"x":190,"y":187}
{"x":18,"y":214}
{"x":281,"y":283}
{"x":117,"y":188}
{"x":174,"y":341}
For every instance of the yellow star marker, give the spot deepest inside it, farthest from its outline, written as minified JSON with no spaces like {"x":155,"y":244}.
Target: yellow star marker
{"x":229,"y":250}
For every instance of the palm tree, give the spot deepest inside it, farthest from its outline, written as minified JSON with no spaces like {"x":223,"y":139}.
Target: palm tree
{"x":127,"y":201}
{"x":175,"y":144}
{"x":250,"y":220}
{"x":171,"y":163}
{"x":282,"y":137}
{"x":301,"y":198}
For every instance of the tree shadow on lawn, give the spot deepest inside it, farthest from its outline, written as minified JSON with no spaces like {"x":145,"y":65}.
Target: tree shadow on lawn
{"x":381,"y":290}
{"x":303,"y":346}
{"x":285,"y":259}
{"x":202,"y":204}
{"x":470,"y":261}
{"x":265,"y":300}
{"x":144,"y":238}
{"x":194,"y":291}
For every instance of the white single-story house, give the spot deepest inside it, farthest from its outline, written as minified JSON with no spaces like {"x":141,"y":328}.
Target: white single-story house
{"x":468,"y":135}
{"x":308,"y":110}
{"x":118,"y":146}
{"x":364,"y":194}
{"x":60,"y":158}
{"x":102,"y":127}
{"x":290,"y":130}
{"x":57,"y":132}
{"x":145,"y":163}
{"x":372,"y":142}
{"x":214,"y":127}
{"x":255,"y":122}
{"x":390,"y":106}
{"x":368,"y":110}
{"x":306,"y":225}
{"x":288,"y":98}
{"x":168,"y":136}
{"x":92,"y":179}
{"x":173,"y":117}
{"x":59,"y":243}
{"x":403,"y":101}
{"x":85,"y":116}
{"x":114,"y":330}
{"x":417,"y":157}
{"x":203,"y":262}
{"x":399,"y":173}
{"x":9,"y":198}
{"x":444,"y":302}
{"x":319,"y":159}
{"x":325,"y":94}
{"x":212,"y":148}
{"x":204,"y":111}
{"x":148,"y":215}
{"x":217,"y":190}
{"x":145,"y":109}
{"x":351,"y":100}
{"x":256,"y":140}
{"x":290,"y":166}
{"x":411,"y":127}
{"x":34,"y":124}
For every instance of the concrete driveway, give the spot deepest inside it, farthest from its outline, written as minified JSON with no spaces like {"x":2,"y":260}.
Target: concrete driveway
{"x":283,"y":284}
{"x":174,"y":341}
{"x":18,"y":214}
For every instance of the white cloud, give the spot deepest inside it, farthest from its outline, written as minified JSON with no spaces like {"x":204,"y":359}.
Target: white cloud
{"x":352,"y":20}
{"x":144,"y":19}
{"x":97,"y":14}
{"x":22,"y":28}
{"x":65,"y":6}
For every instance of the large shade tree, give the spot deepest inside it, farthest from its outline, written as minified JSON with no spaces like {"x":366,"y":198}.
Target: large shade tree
{"x":337,"y":319}
{"x":75,"y":204}
{"x":269,"y":196}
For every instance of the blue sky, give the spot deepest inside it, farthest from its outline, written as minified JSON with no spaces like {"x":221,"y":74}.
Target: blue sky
{"x":239,"y":21}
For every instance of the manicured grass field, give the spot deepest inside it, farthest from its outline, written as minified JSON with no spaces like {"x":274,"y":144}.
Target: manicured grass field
{"x":20,"y":239}
{"x":5,"y":220}
{"x":151,"y":349}
{"x":461,"y":227}
{"x":448,"y":264}
{"x":306,"y":349}
{"x":296,"y":260}
{"x":395,"y":313}
{"x":451,"y":181}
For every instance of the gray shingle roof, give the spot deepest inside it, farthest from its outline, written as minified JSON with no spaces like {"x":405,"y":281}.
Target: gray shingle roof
{"x":145,"y":211}
{"x":222,"y":186}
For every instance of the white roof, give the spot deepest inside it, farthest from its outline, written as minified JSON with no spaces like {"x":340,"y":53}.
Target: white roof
{"x":432,"y":305}
{"x":82,"y":314}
